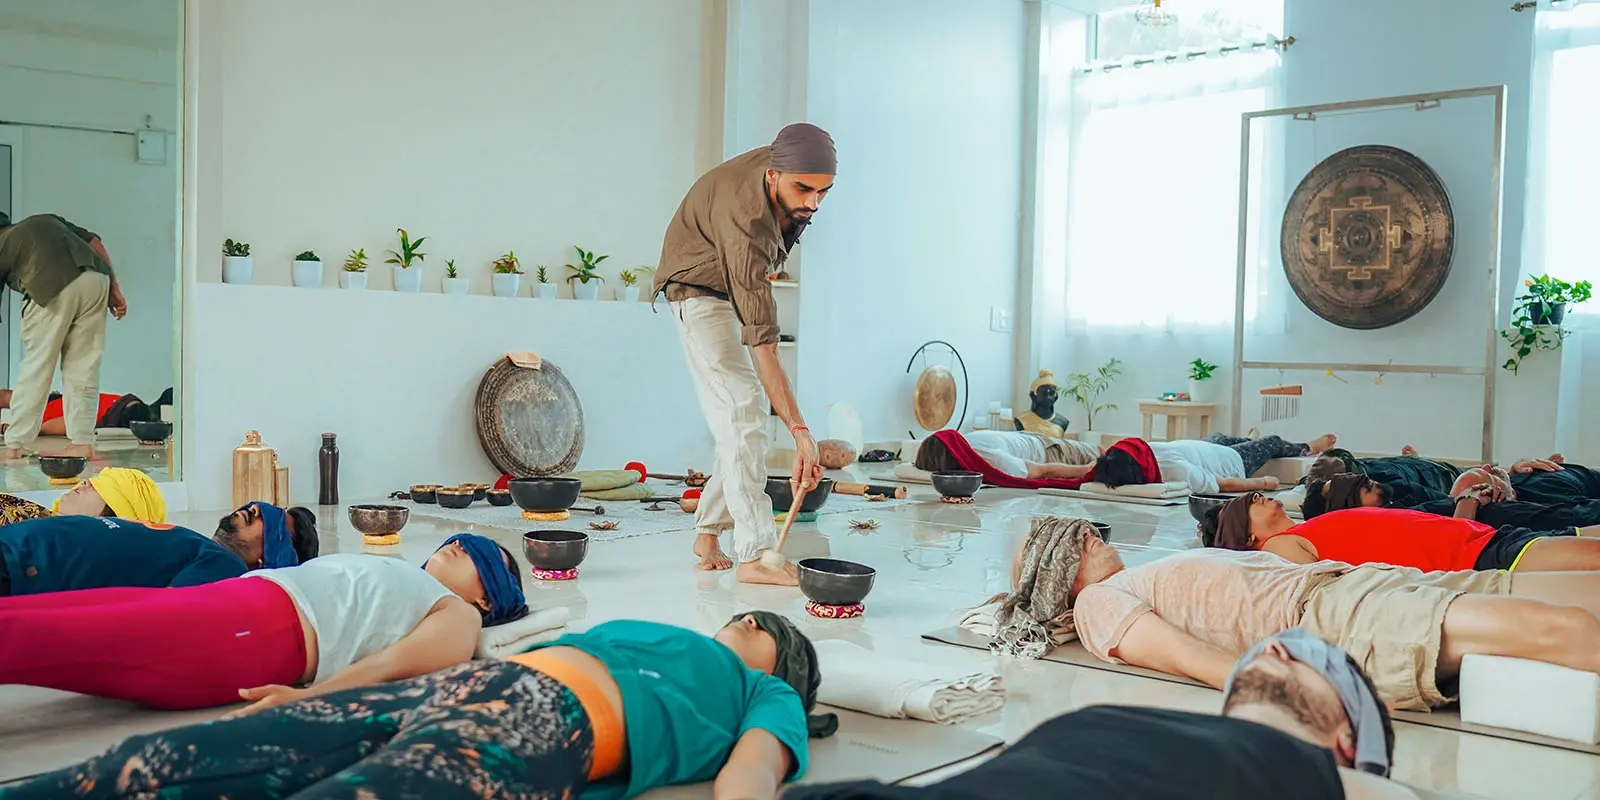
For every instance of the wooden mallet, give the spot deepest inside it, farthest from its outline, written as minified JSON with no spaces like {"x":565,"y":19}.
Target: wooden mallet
{"x":692,"y":478}
{"x":773,"y":559}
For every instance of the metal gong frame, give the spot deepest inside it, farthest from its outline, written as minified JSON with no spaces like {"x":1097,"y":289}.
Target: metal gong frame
{"x":1491,"y":334}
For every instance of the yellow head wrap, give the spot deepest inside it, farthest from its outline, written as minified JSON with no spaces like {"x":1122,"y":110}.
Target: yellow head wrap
{"x":130,"y":494}
{"x":1046,"y":378}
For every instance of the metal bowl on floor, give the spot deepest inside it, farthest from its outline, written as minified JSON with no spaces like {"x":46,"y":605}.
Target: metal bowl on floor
{"x":782,"y":496}
{"x":151,"y":431}
{"x":480,"y":491}
{"x":555,"y":550}
{"x":834,"y":582}
{"x":378,"y":520}
{"x":545,"y":495}
{"x":62,"y":467}
{"x":424,"y":492}
{"x":957,"y":483}
{"x":454,"y":497}
{"x":499,"y":497}
{"x":1199,"y":504}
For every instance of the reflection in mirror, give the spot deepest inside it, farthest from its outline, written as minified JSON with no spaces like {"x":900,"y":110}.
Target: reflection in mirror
{"x":90,"y":92}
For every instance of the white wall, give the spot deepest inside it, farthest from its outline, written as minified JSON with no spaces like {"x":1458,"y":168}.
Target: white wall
{"x":104,"y":64}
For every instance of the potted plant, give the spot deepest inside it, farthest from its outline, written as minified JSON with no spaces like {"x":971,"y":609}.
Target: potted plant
{"x":507,"y":275}
{"x":1085,"y":389}
{"x":1200,"y":372}
{"x":1537,"y":316}
{"x":236,"y":264}
{"x":306,"y":271}
{"x":354,"y":275}
{"x":545,"y":290}
{"x":587,"y":273}
{"x":407,"y":262}
{"x":453,"y":283}
{"x":629,"y":293}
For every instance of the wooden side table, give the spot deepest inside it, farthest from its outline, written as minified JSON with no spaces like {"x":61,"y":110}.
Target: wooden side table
{"x":1191,"y":415}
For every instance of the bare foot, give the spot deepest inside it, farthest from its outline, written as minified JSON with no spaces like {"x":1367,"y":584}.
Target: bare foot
{"x":712,"y":559}
{"x":1322,"y":443}
{"x":13,"y":454}
{"x":755,"y":572}
{"x":1557,"y":458}
{"x":1253,"y":434}
{"x":1407,"y":450}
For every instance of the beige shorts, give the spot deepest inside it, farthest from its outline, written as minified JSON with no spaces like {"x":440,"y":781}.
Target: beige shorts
{"x":1391,"y":620}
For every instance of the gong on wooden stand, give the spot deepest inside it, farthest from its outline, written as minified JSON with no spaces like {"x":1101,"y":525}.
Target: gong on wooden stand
{"x":528,"y":417}
{"x":933,"y":397}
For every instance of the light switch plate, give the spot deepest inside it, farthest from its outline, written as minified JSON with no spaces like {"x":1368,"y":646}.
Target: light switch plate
{"x":999,"y":319}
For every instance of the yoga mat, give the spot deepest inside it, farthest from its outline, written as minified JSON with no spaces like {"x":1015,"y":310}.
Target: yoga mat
{"x":1117,"y":498}
{"x":888,"y":750}
{"x":1444,"y":718}
{"x":43,"y":730}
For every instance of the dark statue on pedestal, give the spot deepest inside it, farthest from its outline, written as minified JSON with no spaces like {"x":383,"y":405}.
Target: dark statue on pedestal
{"x":1041,"y":416}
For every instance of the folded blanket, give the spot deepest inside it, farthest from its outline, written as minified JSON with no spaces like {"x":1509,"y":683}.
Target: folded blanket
{"x":638,"y":491}
{"x":594,"y":480}
{"x":515,"y":637}
{"x":910,"y":474}
{"x":886,"y":686}
{"x":1161,"y":491}
{"x":981,"y":620}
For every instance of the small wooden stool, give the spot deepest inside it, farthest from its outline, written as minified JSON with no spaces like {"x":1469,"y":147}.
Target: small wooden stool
{"x":1190,"y":414}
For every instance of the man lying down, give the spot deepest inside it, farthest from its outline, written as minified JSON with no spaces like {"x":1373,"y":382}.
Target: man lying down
{"x":1299,"y":720}
{"x":1408,"y":630}
{"x":1217,"y":463}
{"x":1020,"y":454}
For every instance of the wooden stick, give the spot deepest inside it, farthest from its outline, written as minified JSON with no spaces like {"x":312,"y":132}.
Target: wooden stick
{"x":783,"y":536}
{"x":897,"y":492}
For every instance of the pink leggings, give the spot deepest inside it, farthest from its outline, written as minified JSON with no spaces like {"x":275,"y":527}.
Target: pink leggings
{"x":190,"y":647}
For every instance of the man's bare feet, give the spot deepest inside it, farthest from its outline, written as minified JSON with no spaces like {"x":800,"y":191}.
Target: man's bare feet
{"x":709,"y":550}
{"x":1557,"y":458}
{"x":755,"y":572}
{"x":1407,"y":450}
{"x":1322,"y":444}
{"x":14,"y":454}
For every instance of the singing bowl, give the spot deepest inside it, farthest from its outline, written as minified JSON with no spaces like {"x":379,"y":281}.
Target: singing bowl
{"x":499,"y":497}
{"x":833,"y":582}
{"x":479,"y":490}
{"x":151,"y":431}
{"x":62,"y":467}
{"x":555,"y":550}
{"x":424,"y":493}
{"x":454,"y":497}
{"x":378,"y":520}
{"x":957,"y":483}
{"x":545,"y":495}
{"x":1199,"y":504}
{"x":783,"y":497}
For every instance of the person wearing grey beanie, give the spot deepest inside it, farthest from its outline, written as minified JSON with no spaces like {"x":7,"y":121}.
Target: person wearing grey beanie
{"x":731,"y":235}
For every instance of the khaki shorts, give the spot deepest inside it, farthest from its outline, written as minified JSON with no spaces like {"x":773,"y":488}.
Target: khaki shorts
{"x":1391,"y":620}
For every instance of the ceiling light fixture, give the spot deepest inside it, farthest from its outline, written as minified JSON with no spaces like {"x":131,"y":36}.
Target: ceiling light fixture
{"x":1152,"y":15}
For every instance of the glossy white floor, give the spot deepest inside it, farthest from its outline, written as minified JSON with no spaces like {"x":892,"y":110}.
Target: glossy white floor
{"x":933,"y":559}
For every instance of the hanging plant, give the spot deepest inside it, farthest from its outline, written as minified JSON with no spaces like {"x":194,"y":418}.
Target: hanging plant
{"x":1537,"y":316}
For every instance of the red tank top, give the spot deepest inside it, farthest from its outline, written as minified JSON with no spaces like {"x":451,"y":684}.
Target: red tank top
{"x":1396,"y":536}
{"x":53,"y":409}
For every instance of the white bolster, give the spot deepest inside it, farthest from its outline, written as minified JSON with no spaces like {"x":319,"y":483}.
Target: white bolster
{"x":1531,"y":696}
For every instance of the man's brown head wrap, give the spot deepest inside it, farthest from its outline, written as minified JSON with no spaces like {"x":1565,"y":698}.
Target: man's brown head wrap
{"x":805,"y":149}
{"x":1043,"y":597}
{"x":1337,"y":493}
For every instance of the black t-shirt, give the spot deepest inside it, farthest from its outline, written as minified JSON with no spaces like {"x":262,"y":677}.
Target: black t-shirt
{"x":1113,"y":752}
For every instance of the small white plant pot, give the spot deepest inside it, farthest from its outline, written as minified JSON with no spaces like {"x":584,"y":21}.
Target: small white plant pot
{"x":586,"y":291}
{"x":544,"y":291}
{"x":1202,"y":391}
{"x":628,"y":294}
{"x":237,"y":269}
{"x":352,"y":280}
{"x":408,"y":279}
{"x":455,"y":285}
{"x":307,"y":274}
{"x":506,"y":284}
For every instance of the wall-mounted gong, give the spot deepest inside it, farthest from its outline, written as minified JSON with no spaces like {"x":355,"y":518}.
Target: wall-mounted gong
{"x":1368,"y":237}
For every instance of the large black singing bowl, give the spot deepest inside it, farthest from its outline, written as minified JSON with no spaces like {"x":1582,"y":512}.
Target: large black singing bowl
{"x":545,"y":495}
{"x":783,"y":496}
{"x":834,"y":582}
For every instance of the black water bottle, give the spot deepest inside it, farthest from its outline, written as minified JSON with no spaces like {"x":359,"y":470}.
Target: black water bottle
{"x":328,"y":469}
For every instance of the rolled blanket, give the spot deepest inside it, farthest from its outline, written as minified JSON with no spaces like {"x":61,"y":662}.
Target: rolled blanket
{"x":598,"y":480}
{"x":637,"y":491}
{"x":981,"y":620}
{"x":895,"y":688}
{"x":517,"y":636}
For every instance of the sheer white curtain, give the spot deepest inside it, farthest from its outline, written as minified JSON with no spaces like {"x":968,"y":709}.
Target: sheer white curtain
{"x":1564,"y":149}
{"x":1154,"y":190}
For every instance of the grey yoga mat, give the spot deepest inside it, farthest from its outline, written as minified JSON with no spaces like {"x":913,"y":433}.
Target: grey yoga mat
{"x":1445,"y":718}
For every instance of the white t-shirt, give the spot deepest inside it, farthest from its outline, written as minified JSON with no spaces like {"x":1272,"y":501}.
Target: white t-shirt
{"x":1012,"y":452}
{"x":357,"y":604}
{"x":1199,"y":464}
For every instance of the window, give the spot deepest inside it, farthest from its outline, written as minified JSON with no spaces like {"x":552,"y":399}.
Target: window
{"x":1565,"y":157}
{"x":1202,"y":25}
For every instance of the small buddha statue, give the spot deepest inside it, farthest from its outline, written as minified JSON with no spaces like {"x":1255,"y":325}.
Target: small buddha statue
{"x":1041,"y":416}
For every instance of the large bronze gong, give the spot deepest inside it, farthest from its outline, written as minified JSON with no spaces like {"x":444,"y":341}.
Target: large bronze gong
{"x":1368,"y":236}
{"x":933,"y":401}
{"x":528,"y":418}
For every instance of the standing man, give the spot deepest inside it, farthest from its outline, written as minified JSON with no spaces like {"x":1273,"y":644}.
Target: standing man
{"x":65,"y":277}
{"x":736,"y":226}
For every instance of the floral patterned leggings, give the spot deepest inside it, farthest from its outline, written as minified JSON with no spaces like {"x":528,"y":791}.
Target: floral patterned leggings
{"x":479,"y":730}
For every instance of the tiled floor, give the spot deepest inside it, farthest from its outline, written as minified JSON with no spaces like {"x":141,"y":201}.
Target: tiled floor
{"x":24,"y":475}
{"x":934,"y":559}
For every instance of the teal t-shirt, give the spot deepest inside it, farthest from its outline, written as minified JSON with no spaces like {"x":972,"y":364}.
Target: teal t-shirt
{"x":686,"y":700}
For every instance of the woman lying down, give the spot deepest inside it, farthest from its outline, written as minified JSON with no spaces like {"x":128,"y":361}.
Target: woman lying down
{"x":609,"y":713}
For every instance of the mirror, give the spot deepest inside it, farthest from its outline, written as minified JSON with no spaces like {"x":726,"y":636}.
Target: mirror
{"x":90,"y":98}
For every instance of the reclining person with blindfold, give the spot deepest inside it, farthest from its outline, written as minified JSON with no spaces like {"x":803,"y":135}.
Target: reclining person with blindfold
{"x":331,"y":623}
{"x":1299,"y":720}
{"x":609,"y":713}
{"x":1410,"y":480}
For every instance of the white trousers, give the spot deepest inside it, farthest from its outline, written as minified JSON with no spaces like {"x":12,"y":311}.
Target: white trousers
{"x":72,"y":330}
{"x":735,"y":408}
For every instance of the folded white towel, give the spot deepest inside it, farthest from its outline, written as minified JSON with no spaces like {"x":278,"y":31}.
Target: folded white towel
{"x":1162,"y":491}
{"x":885,"y":686}
{"x":981,"y":620}
{"x":516,"y":637}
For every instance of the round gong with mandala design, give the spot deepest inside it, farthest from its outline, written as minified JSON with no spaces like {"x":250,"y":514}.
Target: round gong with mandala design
{"x":1368,"y":237}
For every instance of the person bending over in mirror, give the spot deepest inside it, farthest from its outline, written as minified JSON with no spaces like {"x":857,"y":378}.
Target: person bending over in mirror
{"x":1410,"y":629}
{"x":622,"y":708}
{"x":1019,"y":454}
{"x":1299,"y":719}
{"x":115,"y":411}
{"x":72,"y":553}
{"x":114,"y":492}
{"x":64,"y":274}
{"x":1477,"y":494}
{"x":1217,"y":463}
{"x":1398,"y":536}
{"x":271,"y":636}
